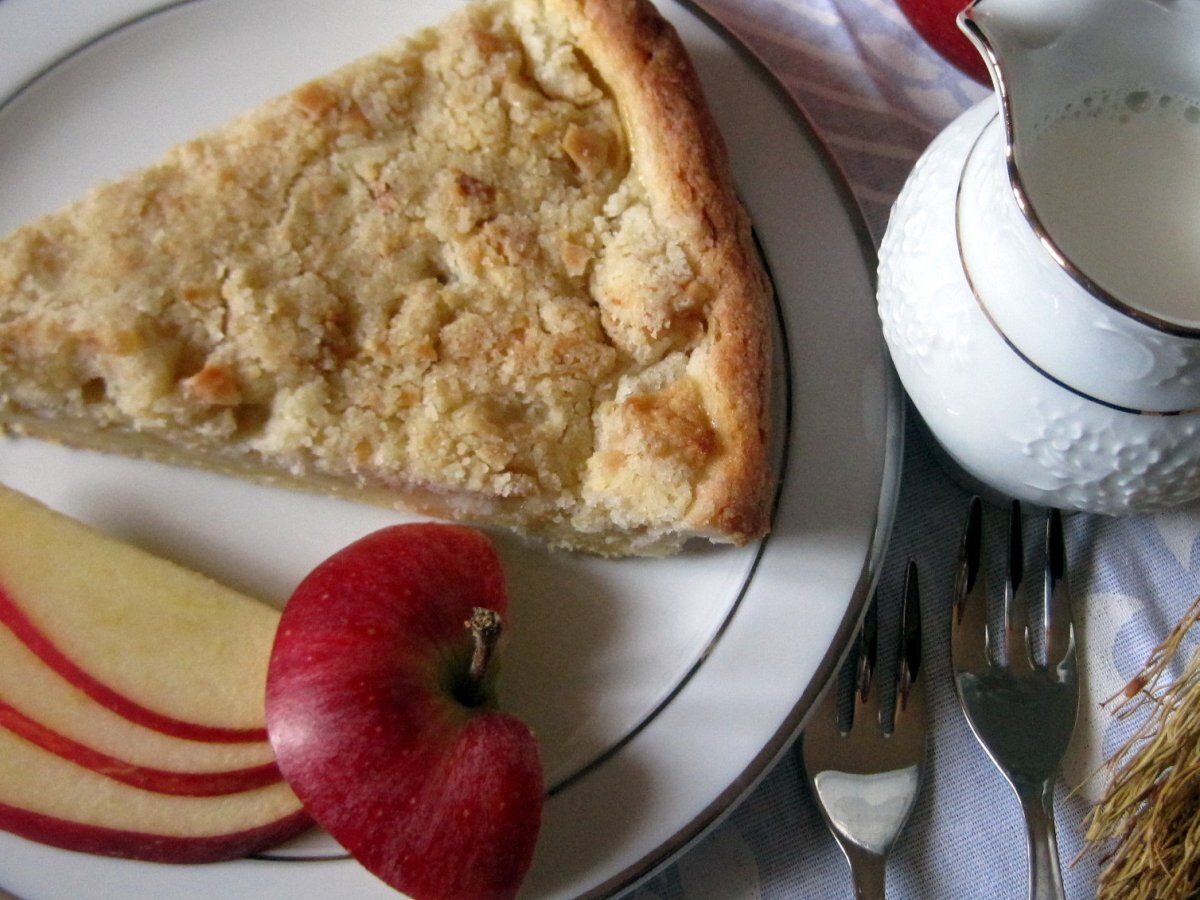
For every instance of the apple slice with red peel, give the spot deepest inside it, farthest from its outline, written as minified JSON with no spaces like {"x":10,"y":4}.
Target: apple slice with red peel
{"x":39,"y":694}
{"x":381,"y":707}
{"x":162,"y":646}
{"x":148,"y":778}
{"x":46,"y":798}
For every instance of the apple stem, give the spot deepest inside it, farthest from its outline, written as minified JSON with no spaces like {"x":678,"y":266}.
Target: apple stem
{"x":485,"y":628}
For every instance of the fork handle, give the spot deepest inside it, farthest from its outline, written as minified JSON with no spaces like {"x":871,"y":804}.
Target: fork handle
{"x":868,"y":871}
{"x":1045,"y":875}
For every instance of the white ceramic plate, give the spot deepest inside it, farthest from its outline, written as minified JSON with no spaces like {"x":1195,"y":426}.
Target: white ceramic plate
{"x":662,"y":690}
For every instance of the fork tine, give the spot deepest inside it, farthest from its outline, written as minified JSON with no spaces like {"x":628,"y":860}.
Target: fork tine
{"x":1023,"y":715}
{"x":864,"y":780}
{"x":1016,"y":618}
{"x":970,"y":633}
{"x":908,"y":723}
{"x":826,"y":721}
{"x":908,"y":658}
{"x":865,"y":687}
{"x":1060,"y":632}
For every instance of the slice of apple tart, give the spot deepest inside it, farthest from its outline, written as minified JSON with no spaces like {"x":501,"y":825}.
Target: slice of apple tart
{"x":495,"y":272}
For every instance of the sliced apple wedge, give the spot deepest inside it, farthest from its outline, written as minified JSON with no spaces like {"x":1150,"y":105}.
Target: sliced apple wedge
{"x":148,"y":778}
{"x":162,"y":646}
{"x":46,"y":798}
{"x":36,"y":692}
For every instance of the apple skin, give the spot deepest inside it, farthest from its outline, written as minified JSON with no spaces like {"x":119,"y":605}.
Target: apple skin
{"x":162,"y":781}
{"x":41,"y":695}
{"x":435,"y":797}
{"x":20,"y":624}
{"x":160,"y":848}
{"x":163,"y":646}
{"x":936,"y":22}
{"x":15,"y":619}
{"x":47,"y":798}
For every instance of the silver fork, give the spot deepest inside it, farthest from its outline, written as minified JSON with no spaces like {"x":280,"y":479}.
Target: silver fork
{"x":866,"y":775}
{"x":1021,"y":705}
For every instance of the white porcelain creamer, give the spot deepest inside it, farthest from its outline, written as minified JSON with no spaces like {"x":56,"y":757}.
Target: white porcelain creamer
{"x":1039,"y":280}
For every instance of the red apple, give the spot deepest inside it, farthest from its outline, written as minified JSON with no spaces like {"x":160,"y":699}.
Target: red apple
{"x":382,"y":711}
{"x":46,"y":798}
{"x":37,"y":693}
{"x":161,"y":848}
{"x":161,"y":645}
{"x":936,"y":22}
{"x":148,"y":778}
{"x":15,"y":619}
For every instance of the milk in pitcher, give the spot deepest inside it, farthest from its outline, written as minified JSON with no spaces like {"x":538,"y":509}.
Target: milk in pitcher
{"x":1115,"y":180}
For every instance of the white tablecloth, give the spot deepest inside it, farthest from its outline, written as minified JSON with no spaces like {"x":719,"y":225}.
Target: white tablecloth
{"x":877,"y":95}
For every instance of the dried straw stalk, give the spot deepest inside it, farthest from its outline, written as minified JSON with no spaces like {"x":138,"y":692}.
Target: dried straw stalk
{"x":1147,"y":824}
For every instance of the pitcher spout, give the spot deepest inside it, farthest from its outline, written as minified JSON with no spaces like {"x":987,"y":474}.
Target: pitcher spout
{"x":1044,"y":53}
{"x":1001,"y":29}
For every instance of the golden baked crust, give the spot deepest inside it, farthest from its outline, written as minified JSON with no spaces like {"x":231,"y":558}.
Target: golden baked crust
{"x":496,"y":271}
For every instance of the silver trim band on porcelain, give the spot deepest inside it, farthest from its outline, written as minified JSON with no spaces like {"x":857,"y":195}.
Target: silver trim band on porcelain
{"x":1025,"y":205}
{"x":1000,"y":331}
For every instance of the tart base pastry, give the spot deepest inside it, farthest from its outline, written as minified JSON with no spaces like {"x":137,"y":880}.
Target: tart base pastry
{"x":496,"y":271}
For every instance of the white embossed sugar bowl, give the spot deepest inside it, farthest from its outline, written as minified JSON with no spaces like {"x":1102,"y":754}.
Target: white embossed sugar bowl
{"x":1033,"y":288}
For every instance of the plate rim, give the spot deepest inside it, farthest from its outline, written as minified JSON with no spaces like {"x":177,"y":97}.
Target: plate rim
{"x":695,"y":830}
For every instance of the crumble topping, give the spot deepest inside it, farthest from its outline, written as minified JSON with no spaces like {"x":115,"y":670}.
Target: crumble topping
{"x":435,"y":269}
